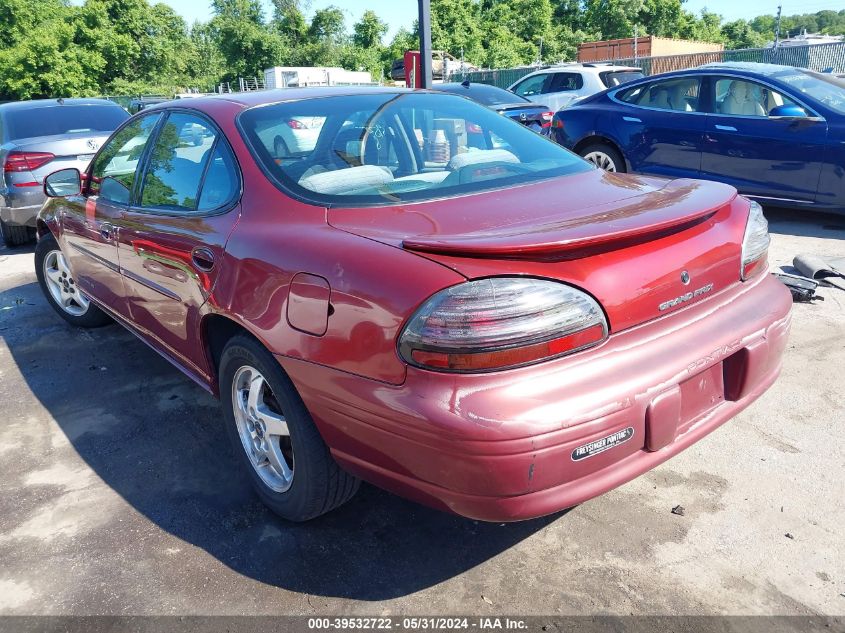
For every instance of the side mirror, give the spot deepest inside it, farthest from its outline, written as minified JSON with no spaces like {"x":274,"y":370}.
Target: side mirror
{"x":65,"y":182}
{"x":788,"y":112}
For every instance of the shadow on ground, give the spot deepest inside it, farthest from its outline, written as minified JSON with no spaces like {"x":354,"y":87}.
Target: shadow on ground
{"x":805,"y":223}
{"x":157,"y":440}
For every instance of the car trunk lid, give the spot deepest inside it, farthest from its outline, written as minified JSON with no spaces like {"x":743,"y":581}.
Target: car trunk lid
{"x":639,"y":245}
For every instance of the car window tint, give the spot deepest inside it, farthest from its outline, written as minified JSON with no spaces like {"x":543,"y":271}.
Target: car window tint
{"x":114,"y":170}
{"x":177,"y":163}
{"x":290,"y":139}
{"x":746,"y":98}
{"x":531,"y":86}
{"x":619,"y":77}
{"x":221,"y":179}
{"x":63,"y":119}
{"x":565,"y":82}
{"x":679,"y":95}
{"x":386,"y":147}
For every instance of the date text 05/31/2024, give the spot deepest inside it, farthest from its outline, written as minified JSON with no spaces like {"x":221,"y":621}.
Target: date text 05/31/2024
{"x":417,"y":623}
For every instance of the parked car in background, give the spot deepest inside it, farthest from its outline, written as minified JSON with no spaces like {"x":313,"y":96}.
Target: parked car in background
{"x":497,"y":329}
{"x":137,"y":104}
{"x":39,"y":137}
{"x":560,"y":86}
{"x":776,"y":133}
{"x":535,"y":117}
{"x":441,"y":62}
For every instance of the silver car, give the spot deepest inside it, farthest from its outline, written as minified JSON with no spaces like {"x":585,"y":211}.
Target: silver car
{"x":38,"y":138}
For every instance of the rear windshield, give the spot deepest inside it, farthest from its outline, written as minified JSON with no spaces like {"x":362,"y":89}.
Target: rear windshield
{"x":383,"y":147}
{"x":486,"y":95}
{"x":619,"y":77}
{"x":63,"y":119}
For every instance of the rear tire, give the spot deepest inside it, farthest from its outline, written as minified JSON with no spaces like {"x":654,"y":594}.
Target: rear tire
{"x":274,"y":437}
{"x":604,"y":157}
{"x":59,"y":287}
{"x":14,"y":235}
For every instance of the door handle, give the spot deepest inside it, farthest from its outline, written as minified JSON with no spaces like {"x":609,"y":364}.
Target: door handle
{"x":726,"y":128}
{"x":203,"y":259}
{"x":632,"y":119}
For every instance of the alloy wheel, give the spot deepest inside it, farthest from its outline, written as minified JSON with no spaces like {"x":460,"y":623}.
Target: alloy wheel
{"x":601,"y":160}
{"x":262,"y":429}
{"x":62,"y":286}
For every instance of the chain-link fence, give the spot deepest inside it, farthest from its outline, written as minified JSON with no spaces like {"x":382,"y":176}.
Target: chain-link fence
{"x":814,"y":57}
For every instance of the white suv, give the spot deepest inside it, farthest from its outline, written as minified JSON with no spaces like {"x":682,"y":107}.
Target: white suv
{"x":559,"y":86}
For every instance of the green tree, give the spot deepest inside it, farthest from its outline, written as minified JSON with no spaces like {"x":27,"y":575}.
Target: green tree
{"x":247,"y":44}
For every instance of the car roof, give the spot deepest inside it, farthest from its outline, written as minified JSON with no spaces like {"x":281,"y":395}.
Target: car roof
{"x":46,"y":103}
{"x":751,"y":67}
{"x":278,"y":95}
{"x":589,"y":67}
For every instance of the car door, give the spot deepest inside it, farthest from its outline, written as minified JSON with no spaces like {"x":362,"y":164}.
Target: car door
{"x":561,"y":89}
{"x":89,"y":222}
{"x":660,"y":126}
{"x":172,"y":237}
{"x":532,"y":88}
{"x":760,"y":154}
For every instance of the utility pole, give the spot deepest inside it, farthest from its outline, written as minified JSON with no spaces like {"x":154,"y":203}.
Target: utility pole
{"x":425,"y":43}
{"x":636,"y":42}
{"x":777,"y":28}
{"x":540,"y":56}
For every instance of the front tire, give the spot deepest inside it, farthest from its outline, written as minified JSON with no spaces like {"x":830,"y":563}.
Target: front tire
{"x":60,"y":289}
{"x":604,"y":157}
{"x":274,"y":437}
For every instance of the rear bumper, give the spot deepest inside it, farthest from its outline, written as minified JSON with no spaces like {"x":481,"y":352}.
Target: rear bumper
{"x":499,"y":447}
{"x":21,"y":207}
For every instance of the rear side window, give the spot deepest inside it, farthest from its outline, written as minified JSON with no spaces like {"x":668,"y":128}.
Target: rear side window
{"x":63,"y":119}
{"x":614,"y":78}
{"x":184,"y":153}
{"x":679,"y":95}
{"x":565,"y":82}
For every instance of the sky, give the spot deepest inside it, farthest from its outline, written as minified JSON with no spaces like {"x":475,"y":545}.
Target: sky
{"x":398,"y":13}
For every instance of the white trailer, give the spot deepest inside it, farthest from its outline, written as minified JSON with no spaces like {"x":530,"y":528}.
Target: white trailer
{"x":301,"y":76}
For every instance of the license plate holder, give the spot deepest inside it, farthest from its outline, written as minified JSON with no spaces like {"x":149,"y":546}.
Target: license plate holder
{"x":701,"y":393}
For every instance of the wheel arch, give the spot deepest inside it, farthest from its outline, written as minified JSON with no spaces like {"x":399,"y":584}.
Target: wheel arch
{"x":603,"y":139}
{"x":216,"y":330}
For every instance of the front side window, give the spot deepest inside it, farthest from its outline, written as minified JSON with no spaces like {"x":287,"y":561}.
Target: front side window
{"x":565,"y":82}
{"x":114,"y":170}
{"x":679,"y":95}
{"x":531,"y":86}
{"x":822,"y":87}
{"x":384,"y":147}
{"x":746,"y":98}
{"x":178,"y":163}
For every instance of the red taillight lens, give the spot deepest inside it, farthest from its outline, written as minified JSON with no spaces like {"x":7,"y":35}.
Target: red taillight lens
{"x":501,"y":322}
{"x":296,"y":125}
{"x":547,"y":118}
{"x":26,"y":161}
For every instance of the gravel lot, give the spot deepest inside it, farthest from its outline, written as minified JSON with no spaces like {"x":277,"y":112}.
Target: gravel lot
{"x":117,"y":496}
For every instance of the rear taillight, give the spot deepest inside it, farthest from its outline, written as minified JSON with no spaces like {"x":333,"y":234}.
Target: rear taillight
{"x":501,"y":322}
{"x":26,"y":161}
{"x":296,"y":125}
{"x":557,"y":123}
{"x":755,"y":242}
{"x":547,"y":118}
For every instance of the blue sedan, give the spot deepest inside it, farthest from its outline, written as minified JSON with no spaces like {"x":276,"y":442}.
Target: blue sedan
{"x":776,"y":133}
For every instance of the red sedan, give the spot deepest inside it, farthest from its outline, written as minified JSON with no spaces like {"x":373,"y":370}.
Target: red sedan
{"x":406,"y":288}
